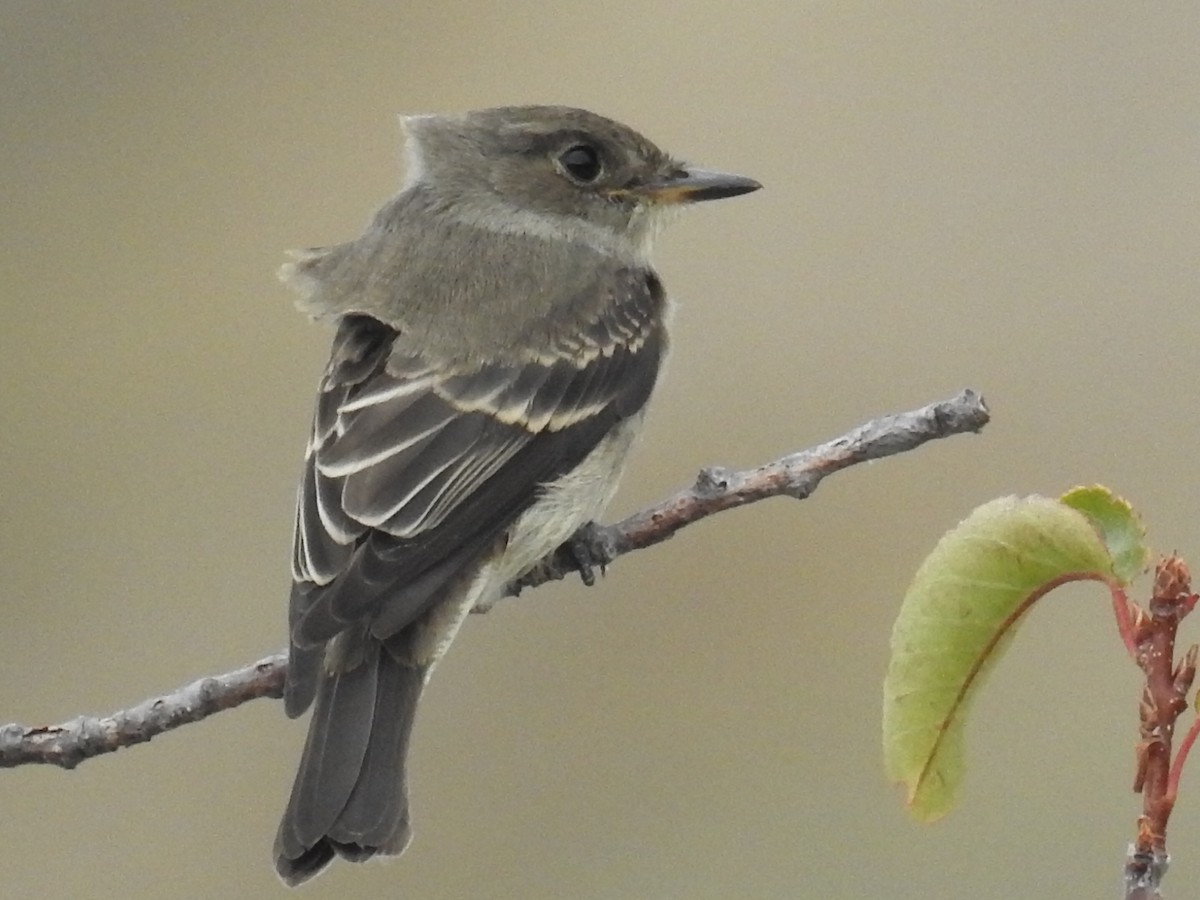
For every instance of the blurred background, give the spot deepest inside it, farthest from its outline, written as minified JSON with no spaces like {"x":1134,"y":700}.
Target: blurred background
{"x":1001,"y":196}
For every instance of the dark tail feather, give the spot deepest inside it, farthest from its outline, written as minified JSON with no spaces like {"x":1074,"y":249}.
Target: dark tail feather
{"x":350,"y":797}
{"x":303,"y":677}
{"x":305,"y":664}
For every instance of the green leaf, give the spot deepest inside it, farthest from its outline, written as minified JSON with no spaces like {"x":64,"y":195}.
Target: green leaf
{"x":1119,"y":526}
{"x":958,"y":616}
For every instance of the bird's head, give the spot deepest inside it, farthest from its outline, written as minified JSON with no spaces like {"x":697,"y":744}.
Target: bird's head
{"x":556,"y":170}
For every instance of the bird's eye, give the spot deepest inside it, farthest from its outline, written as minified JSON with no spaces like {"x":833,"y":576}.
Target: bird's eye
{"x":581,"y":163}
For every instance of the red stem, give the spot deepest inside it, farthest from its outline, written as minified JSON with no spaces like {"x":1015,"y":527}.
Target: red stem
{"x":1125,"y":626}
{"x":1181,"y":756}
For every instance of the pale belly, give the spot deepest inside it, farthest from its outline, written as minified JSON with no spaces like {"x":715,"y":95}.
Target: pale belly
{"x":573,"y":500}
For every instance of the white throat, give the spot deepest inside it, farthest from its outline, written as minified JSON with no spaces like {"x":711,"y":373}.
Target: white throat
{"x":499,"y":216}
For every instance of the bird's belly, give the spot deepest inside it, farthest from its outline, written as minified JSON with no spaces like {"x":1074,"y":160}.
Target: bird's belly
{"x":564,"y":505}
{"x":574,"y":499}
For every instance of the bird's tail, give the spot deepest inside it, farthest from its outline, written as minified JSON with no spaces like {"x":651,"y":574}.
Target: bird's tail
{"x":350,"y":797}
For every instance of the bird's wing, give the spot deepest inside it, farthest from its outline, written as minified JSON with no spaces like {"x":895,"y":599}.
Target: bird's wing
{"x":414,"y":469}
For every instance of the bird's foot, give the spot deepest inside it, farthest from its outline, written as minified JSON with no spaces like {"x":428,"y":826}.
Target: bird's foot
{"x":587,"y":550}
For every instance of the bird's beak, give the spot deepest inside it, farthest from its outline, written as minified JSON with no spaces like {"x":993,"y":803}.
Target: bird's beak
{"x":694,"y":185}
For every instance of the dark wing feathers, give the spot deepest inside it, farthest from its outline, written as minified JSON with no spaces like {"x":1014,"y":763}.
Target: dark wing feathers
{"x":368,"y":435}
{"x":550,"y":393}
{"x":323,"y":542}
{"x":414,"y":470}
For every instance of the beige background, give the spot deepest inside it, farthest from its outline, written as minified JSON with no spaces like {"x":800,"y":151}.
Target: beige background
{"x":1005,"y":196}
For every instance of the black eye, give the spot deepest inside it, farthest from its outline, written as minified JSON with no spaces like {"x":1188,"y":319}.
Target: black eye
{"x":581,"y":162}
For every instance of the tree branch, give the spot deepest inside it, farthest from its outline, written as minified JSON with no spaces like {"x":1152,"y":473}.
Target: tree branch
{"x":715,"y":489}
{"x":70,"y":743}
{"x":1164,"y":700}
{"x":796,"y":475}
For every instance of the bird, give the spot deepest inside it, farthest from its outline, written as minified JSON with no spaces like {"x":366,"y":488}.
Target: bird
{"x":499,"y":329}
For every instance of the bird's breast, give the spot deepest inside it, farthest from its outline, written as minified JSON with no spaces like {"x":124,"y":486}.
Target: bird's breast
{"x":568,"y":502}
{"x":565,"y":504}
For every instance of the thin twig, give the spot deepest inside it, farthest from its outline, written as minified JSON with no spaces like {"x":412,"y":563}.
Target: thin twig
{"x":716,"y":489}
{"x":798,"y":475}
{"x":70,"y":743}
{"x":1164,"y":699}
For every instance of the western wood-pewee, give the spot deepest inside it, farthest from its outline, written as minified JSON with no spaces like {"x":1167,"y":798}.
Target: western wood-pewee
{"x":499,"y":331}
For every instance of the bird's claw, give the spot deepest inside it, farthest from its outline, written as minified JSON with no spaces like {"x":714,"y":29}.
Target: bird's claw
{"x":584,"y":551}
